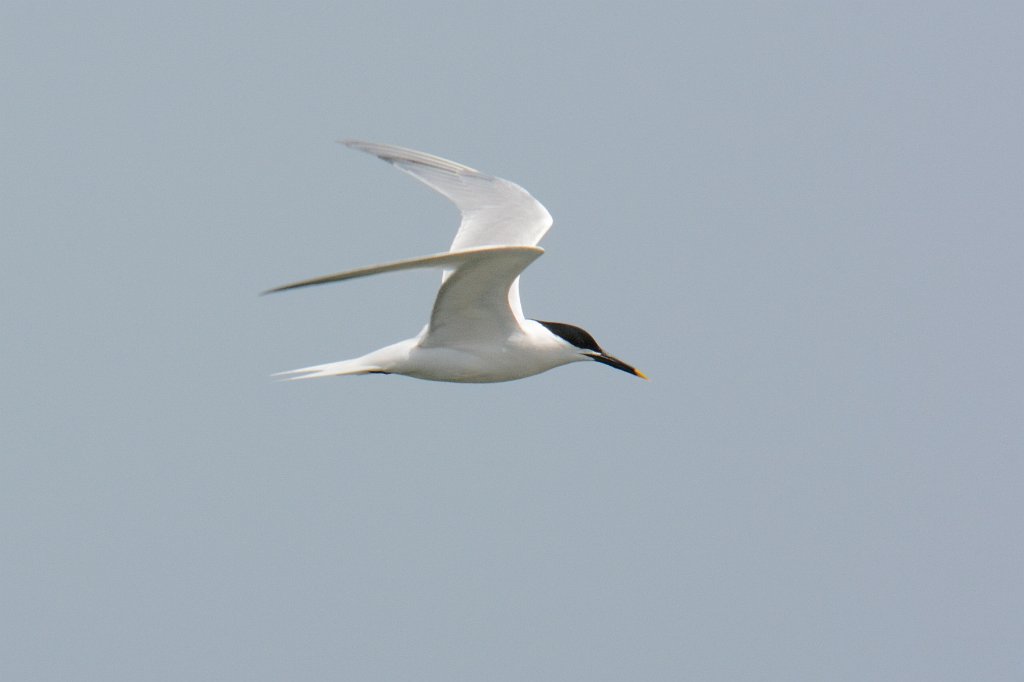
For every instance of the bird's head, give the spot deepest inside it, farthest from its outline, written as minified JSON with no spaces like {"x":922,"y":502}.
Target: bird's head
{"x":581,"y":340}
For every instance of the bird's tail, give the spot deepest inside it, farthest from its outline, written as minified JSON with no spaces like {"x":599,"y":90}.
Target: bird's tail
{"x":330,"y":369}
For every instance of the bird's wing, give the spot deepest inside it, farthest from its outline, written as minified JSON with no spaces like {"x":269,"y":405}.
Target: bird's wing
{"x":495,"y":212}
{"x":473,"y":305}
{"x":451,"y":261}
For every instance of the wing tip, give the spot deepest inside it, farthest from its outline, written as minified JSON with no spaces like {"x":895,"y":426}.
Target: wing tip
{"x":397,"y":155}
{"x":283,"y":287}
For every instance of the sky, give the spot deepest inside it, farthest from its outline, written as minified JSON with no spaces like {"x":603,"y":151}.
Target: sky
{"x":803,"y":220}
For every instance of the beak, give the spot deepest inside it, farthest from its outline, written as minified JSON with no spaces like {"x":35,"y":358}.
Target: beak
{"x":606,"y":359}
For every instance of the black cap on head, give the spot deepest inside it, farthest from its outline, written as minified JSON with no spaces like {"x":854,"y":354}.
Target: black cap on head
{"x":577,"y":336}
{"x":582,"y":339}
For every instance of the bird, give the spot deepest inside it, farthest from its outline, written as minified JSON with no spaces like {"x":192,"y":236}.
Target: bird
{"x":477,"y":332}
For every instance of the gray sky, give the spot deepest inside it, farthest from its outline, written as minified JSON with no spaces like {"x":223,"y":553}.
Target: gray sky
{"x":802,"y":220}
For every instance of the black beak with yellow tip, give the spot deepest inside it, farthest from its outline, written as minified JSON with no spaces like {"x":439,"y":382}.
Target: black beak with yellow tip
{"x":612,"y":361}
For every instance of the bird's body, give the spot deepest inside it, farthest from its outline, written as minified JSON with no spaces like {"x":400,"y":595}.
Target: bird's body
{"x":477,"y":332}
{"x":522,"y":354}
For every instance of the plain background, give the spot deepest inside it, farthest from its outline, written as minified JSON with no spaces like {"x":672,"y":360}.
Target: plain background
{"x":802,"y":219}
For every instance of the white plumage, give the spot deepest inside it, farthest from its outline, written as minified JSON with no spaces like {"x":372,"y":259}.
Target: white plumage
{"x":477,"y":331}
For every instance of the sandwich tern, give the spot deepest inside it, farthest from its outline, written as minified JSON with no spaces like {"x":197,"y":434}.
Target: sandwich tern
{"x":477,"y":332}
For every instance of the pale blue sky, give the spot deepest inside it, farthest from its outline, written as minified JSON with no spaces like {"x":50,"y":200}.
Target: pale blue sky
{"x":802,"y":220}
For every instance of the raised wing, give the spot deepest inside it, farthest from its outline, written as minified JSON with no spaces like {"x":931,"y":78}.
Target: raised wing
{"x":495,"y":212}
{"x":473,"y":303}
{"x":451,"y":261}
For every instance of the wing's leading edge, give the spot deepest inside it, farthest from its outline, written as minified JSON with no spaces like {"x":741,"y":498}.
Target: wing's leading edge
{"x":450,"y":260}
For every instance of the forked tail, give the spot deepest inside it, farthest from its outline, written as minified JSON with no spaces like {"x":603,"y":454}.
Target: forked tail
{"x":330,"y":369}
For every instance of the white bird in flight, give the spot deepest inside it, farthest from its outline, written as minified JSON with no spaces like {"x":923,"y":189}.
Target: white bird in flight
{"x":477,"y":332}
